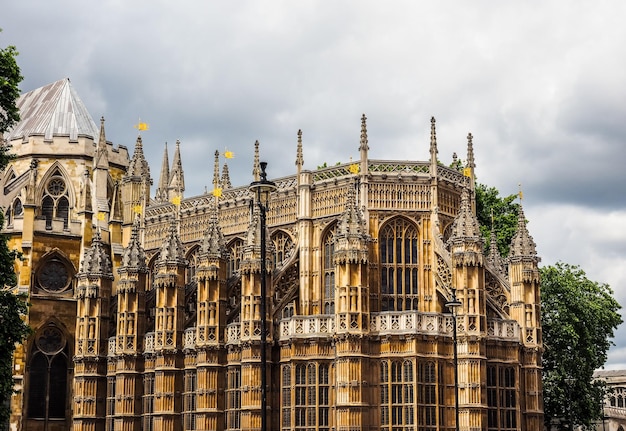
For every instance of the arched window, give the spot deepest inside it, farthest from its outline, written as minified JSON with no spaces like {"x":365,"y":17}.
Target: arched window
{"x":236,"y":255}
{"x":55,"y":201}
{"x":15,"y":210}
{"x":18,"y":209}
{"x":328,"y":266}
{"x":398,"y":266}
{"x":47,"y":393}
{"x":284,"y":246}
{"x":192,"y":258}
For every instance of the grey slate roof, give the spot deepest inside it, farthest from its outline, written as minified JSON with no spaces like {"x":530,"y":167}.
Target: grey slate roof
{"x":54,"y":109}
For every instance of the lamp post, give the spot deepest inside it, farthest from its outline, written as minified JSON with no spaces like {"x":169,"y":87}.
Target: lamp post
{"x":453,"y":304}
{"x":261,"y":190}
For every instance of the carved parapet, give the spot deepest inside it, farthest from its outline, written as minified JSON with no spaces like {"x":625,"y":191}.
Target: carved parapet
{"x":468,"y":258}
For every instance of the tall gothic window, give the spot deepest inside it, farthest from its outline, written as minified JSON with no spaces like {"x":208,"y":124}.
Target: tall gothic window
{"x":110,"y":404}
{"x":14,"y":210}
{"x":501,"y":398}
{"x":233,"y":399}
{"x":398,"y":266}
{"x":148,"y":401}
{"x":189,"y":415}
{"x":192,"y":258}
{"x":55,"y":201}
{"x":429,"y":395}
{"x":236,"y":255}
{"x":47,"y":394}
{"x":284,"y":246}
{"x":328,"y":266}
{"x":397,"y":398}
{"x":305,"y":396}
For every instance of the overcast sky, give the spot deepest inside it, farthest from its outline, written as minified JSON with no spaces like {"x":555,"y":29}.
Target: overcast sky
{"x":540,"y":85}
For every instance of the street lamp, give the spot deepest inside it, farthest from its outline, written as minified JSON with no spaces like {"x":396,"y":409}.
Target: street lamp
{"x":453,"y":304}
{"x":261,"y":190}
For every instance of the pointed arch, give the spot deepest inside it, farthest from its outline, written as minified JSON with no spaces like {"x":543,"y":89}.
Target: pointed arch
{"x":284,"y":246}
{"x":235,"y":249}
{"x":56,"y":169}
{"x":49,"y":363}
{"x":399,"y":264}
{"x":192,"y":258}
{"x":328,"y":269}
{"x":56,"y":195}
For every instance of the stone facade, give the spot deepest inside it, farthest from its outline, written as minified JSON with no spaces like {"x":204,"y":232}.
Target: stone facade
{"x":146,"y":310}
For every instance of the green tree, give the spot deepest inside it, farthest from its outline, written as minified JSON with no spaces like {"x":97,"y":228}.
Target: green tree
{"x":10,"y":78}
{"x":501,"y":213}
{"x":13,"y":307}
{"x":579,"y":317}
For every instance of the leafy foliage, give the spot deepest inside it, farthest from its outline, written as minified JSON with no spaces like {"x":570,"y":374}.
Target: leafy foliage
{"x":10,"y":77}
{"x":12,"y":307}
{"x":504,"y":212}
{"x":12,"y":330}
{"x":579,"y":317}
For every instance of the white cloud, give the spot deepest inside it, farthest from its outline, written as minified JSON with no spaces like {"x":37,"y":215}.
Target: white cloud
{"x":539,"y":86}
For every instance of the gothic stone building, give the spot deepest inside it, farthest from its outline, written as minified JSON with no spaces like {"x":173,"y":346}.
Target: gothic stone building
{"x":146,"y":308}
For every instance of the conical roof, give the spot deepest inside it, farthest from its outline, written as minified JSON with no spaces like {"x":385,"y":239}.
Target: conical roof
{"x":54,"y":109}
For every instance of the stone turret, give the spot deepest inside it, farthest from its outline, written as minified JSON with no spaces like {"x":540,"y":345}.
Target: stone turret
{"x":525,"y":308}
{"x":135,"y":190}
{"x":351,"y":258}
{"x":131,"y":317}
{"x":169,"y":283}
{"x":524,"y":277}
{"x":211,"y":275}
{"x":468,"y":278}
{"x":93,"y":292}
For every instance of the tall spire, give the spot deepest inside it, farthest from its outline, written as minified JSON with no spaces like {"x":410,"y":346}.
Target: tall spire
{"x":465,"y":227}
{"x":101,"y":161}
{"x":363,"y":147}
{"x":134,"y":255}
{"x":161,"y":191}
{"x":299,"y":158}
{"x":177,"y":177}
{"x":213,"y":243}
{"x":433,"y":141}
{"x":363,"y":142}
{"x":216,"y":171}
{"x":522,"y":244}
{"x":226,"y":184}
{"x":172,"y":250}
{"x":494,"y":257}
{"x":351,"y":222}
{"x":95,"y":260}
{"x":470,"y":153}
{"x":256,"y":169}
{"x":138,"y":166}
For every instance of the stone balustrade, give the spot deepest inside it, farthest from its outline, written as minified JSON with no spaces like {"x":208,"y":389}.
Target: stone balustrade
{"x":323,"y":326}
